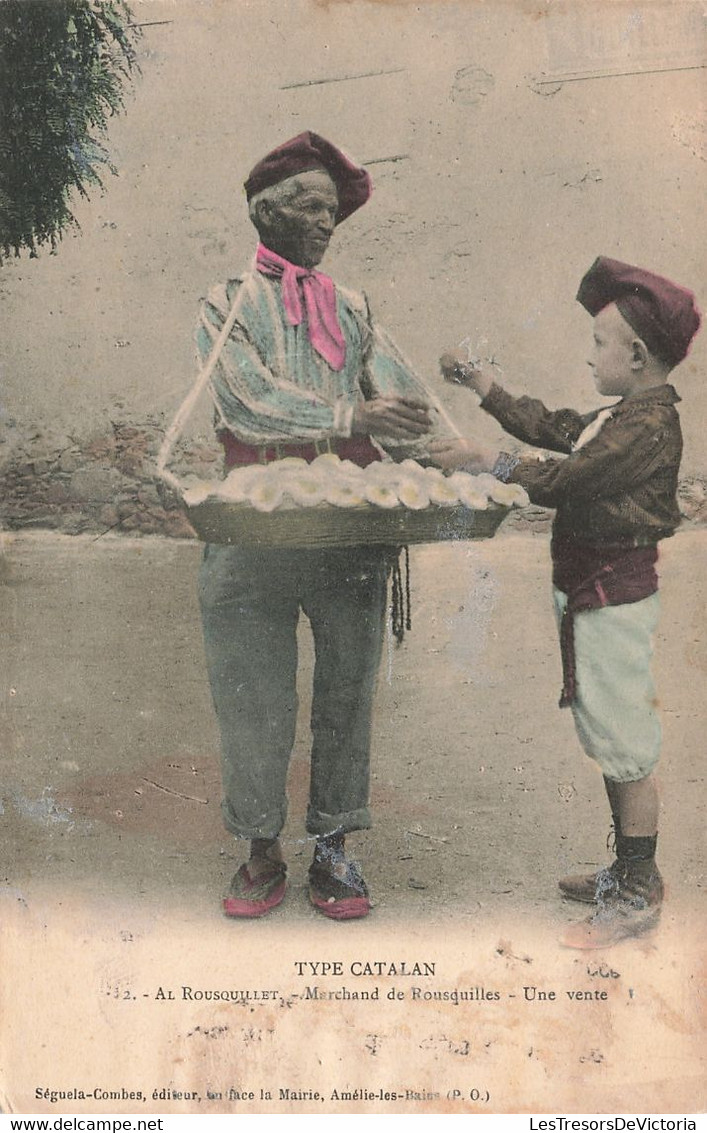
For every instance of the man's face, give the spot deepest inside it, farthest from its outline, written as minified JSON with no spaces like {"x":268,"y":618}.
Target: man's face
{"x":613,"y":358}
{"x":300,"y":228}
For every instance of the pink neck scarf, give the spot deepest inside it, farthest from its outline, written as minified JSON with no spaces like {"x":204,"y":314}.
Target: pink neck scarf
{"x":319,"y":301}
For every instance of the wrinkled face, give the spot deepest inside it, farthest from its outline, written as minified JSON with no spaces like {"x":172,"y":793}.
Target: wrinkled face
{"x":613,"y":359}
{"x":300,"y":227}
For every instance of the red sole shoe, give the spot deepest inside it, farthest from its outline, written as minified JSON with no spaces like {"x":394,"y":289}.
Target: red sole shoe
{"x":254,"y":897}
{"x":341,"y":898}
{"x":345,"y":909}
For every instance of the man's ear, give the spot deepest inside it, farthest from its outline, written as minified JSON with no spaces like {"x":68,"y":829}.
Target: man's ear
{"x":263,"y":215}
{"x":639,"y":354}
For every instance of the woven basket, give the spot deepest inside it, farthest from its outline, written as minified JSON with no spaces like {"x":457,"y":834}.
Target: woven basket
{"x":217,"y":521}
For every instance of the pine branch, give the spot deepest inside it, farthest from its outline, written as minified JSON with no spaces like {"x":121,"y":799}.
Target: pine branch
{"x":64,"y":65}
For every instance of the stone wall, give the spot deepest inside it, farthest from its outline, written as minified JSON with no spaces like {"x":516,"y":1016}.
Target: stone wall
{"x":98,"y":483}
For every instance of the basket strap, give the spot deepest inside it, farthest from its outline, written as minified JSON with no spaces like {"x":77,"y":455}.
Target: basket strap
{"x":187,"y":407}
{"x":434,"y":399}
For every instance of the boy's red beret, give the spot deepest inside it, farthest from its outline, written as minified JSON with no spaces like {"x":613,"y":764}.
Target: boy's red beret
{"x":307,"y":152}
{"x":663,"y":314}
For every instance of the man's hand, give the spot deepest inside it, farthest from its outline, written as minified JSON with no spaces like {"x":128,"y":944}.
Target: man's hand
{"x":397,"y":417}
{"x":462,"y":454}
{"x":457,"y":369}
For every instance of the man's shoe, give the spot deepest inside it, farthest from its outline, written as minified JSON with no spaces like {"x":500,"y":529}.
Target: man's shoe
{"x":629,"y":897}
{"x":337,"y":889}
{"x":254,"y":896}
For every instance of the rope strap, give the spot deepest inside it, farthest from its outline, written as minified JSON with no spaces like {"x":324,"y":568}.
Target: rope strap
{"x":401,"y":605}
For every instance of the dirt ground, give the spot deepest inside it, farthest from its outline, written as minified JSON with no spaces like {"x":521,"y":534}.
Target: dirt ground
{"x":110,"y":807}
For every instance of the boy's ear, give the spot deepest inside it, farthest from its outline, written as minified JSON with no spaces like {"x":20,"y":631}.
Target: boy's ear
{"x":639,"y":354}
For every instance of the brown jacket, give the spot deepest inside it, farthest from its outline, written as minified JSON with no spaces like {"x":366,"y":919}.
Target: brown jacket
{"x":620,"y":485}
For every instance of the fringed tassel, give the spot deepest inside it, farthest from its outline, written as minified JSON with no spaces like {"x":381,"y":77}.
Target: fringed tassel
{"x":569,"y":674}
{"x":401,"y":605}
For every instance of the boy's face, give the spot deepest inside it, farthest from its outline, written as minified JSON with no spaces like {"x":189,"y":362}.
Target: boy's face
{"x":613,"y":360}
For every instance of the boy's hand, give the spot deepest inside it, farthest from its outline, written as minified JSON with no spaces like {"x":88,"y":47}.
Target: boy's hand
{"x":399,"y":417}
{"x":462,"y":454}
{"x":456,"y":368}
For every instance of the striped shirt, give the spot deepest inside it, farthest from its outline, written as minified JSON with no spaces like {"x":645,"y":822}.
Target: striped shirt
{"x":270,"y":385}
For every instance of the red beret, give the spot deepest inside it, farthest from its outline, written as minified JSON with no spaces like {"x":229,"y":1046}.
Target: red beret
{"x":661,"y":313}
{"x":307,"y":152}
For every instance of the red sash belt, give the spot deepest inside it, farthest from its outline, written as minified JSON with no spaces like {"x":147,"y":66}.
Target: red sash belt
{"x":359,"y":450}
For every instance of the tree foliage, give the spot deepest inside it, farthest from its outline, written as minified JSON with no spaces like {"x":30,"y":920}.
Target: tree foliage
{"x":64,"y":65}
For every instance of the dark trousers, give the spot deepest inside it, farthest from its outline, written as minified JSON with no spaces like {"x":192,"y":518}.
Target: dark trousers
{"x":251,"y":602}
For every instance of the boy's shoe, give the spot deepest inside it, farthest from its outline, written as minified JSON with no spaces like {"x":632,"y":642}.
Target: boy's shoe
{"x":583,"y":886}
{"x":337,"y":889}
{"x":629,"y":896}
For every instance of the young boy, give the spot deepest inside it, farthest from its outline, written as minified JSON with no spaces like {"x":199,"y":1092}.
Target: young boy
{"x":615,"y":497}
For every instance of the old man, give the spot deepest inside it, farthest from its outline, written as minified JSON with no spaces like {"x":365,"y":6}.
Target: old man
{"x":305,"y":370}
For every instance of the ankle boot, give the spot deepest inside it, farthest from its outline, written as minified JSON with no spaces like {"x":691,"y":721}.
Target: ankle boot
{"x":636,"y":883}
{"x":629,"y":896}
{"x":583,"y":886}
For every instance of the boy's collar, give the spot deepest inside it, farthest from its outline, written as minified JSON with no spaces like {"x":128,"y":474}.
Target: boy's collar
{"x":664,"y":394}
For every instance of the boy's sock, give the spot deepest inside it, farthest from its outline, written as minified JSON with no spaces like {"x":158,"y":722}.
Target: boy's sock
{"x":631,"y":849}
{"x":612,"y":796}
